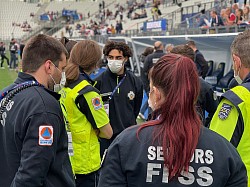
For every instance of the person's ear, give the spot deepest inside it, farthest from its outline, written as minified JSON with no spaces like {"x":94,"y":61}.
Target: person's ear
{"x":157,"y":93}
{"x":237,"y":62}
{"x":47,"y":66}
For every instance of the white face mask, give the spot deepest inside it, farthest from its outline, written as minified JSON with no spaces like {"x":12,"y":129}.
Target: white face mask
{"x":58,"y":87}
{"x":115,"y":65}
{"x":63,"y":79}
{"x":237,"y":77}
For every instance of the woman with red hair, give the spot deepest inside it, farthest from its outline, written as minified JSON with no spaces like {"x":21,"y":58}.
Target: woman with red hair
{"x":174,"y":149}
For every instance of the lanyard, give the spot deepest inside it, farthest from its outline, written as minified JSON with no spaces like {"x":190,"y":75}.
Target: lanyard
{"x":24,"y":84}
{"x":9,"y":94}
{"x":117,"y":86}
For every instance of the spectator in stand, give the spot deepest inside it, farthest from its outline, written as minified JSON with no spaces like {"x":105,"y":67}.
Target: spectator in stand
{"x":118,"y":27}
{"x":246,"y":15}
{"x":154,"y":11}
{"x":2,"y":53}
{"x":239,"y":16}
{"x":201,"y":63}
{"x":231,"y":18}
{"x":139,"y":16}
{"x":215,"y":19}
{"x":202,"y":18}
{"x":112,"y":29}
{"x":103,"y":4}
{"x":235,"y":6}
{"x":223,"y":15}
{"x":121,"y":15}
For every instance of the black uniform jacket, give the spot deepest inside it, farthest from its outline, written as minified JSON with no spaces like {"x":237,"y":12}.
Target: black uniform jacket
{"x":135,"y":161}
{"x":207,"y":100}
{"x":148,"y":64}
{"x":33,"y":140}
{"x":125,"y":105}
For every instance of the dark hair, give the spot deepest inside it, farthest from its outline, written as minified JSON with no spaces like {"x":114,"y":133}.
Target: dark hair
{"x":39,"y":49}
{"x":68,"y":44}
{"x":178,"y":127}
{"x":191,"y":43}
{"x":214,"y":11}
{"x":147,"y":51}
{"x":85,"y":54}
{"x":184,"y":50}
{"x":120,"y":46}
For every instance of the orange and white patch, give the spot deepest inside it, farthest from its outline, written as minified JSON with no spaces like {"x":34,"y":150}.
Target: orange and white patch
{"x":45,"y":135}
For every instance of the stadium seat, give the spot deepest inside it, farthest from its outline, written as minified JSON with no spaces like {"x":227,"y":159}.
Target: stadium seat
{"x":216,"y":75}
{"x":224,"y":81}
{"x":210,"y":67}
{"x":219,"y":72}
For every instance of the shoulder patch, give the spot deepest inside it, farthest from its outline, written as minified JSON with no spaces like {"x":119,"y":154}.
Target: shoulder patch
{"x":96,"y":102}
{"x":45,"y":135}
{"x":224,"y":111}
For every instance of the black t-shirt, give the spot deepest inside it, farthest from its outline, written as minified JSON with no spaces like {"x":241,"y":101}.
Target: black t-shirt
{"x":136,"y":161}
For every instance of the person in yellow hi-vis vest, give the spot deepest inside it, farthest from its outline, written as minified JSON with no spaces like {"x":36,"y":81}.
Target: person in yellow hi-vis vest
{"x":232,"y":118}
{"x":84,"y":113}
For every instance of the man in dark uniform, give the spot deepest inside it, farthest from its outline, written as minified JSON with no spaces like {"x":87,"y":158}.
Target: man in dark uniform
{"x":122,"y":91}
{"x":201,"y":63}
{"x":33,"y":144}
{"x":152,"y":58}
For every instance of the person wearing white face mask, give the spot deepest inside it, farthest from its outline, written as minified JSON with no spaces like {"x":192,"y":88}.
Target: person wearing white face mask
{"x":122,"y":91}
{"x":231,"y":119}
{"x":33,"y":142}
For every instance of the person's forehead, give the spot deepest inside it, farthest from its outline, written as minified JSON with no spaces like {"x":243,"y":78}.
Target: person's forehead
{"x":115,"y":52}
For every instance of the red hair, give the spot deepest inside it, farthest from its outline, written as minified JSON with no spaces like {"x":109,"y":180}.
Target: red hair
{"x":178,"y":127}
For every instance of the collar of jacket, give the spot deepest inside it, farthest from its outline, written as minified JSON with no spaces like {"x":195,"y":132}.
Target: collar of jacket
{"x":247,"y":79}
{"x":24,"y":77}
{"x":158,"y":51}
{"x":114,"y":75}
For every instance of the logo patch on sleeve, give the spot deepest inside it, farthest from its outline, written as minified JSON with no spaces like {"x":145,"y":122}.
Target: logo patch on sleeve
{"x":45,"y":135}
{"x":96,"y":102}
{"x":224,"y":111}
